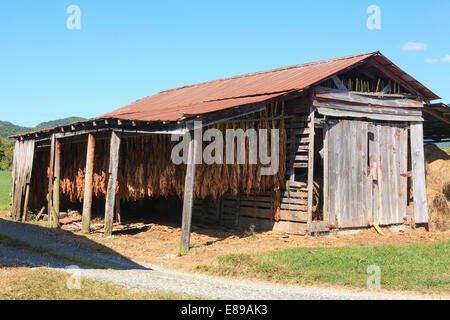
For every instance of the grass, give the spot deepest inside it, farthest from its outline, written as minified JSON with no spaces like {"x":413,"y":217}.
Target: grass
{"x":5,"y":189}
{"x":19,"y":283}
{"x":20,"y":244}
{"x":418,"y":267}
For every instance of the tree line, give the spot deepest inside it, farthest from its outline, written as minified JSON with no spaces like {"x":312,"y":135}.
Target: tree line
{"x":6,"y":154}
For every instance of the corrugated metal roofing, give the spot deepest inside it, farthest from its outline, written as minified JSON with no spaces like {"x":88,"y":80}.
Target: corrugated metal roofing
{"x":250,"y":88}
{"x":246,"y":89}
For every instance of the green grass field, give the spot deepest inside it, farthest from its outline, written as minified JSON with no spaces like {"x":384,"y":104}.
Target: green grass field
{"x":417,"y":267}
{"x":5,"y":189}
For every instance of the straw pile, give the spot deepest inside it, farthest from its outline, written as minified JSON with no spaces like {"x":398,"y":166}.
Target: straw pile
{"x":438,"y":188}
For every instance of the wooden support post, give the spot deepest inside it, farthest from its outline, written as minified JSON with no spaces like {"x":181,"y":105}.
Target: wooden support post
{"x":112,"y":180}
{"x":88,"y":185}
{"x":418,"y":172}
{"x":25,"y":203}
{"x":52,"y":219}
{"x":188,"y":200}
{"x":56,"y":182}
{"x":310,"y":165}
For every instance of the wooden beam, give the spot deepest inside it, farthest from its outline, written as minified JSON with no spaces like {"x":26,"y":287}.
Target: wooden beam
{"x":112,"y":180}
{"x":188,"y":200}
{"x":418,"y":171}
{"x":374,"y":116}
{"x":434,"y":114}
{"x":88,"y":185}
{"x":341,"y":105}
{"x":354,"y":97}
{"x":339,"y":83}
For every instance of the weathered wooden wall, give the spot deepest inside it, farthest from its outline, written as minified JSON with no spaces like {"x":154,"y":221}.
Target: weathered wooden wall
{"x":258,"y":207}
{"x":367,"y":173}
{"x":21,"y":176}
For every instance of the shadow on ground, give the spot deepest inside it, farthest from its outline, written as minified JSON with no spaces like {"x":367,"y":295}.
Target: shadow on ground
{"x":64,"y":242}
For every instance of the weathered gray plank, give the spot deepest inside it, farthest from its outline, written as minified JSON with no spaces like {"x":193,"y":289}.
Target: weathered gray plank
{"x":333,"y":94}
{"x":112,"y":180}
{"x":403,"y":157}
{"x":346,"y":113}
{"x":418,"y":171}
{"x":188,"y":199}
{"x":23,"y":157}
{"x":326,"y":212}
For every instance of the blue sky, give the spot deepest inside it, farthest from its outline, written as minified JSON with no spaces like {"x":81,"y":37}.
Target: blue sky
{"x":131,"y":49}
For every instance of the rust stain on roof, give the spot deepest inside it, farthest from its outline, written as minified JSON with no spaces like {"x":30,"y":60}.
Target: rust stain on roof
{"x":230,"y":92}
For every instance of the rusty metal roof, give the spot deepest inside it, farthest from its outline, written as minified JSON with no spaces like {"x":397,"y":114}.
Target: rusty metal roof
{"x":247,"y":89}
{"x":172,"y":105}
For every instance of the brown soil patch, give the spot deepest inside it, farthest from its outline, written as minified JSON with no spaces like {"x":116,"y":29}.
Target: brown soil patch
{"x":159,"y":244}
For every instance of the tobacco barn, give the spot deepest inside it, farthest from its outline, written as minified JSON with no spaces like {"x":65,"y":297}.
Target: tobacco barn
{"x":351,"y":153}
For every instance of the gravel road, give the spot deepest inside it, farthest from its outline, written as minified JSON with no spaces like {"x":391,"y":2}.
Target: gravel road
{"x":43,"y":237}
{"x":146,"y":277}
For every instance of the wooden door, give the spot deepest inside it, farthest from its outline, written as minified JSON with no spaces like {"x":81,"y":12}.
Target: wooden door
{"x":365,"y":165}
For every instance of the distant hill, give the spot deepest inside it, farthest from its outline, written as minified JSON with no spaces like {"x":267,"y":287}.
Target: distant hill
{"x":55,"y":123}
{"x":8,"y":128}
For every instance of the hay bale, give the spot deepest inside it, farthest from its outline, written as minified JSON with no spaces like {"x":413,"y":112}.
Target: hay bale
{"x":446,"y":189}
{"x":438,"y":188}
{"x":438,"y":212}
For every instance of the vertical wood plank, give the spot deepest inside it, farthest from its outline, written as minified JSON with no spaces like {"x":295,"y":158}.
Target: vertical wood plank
{"x":403,"y":157}
{"x":418,"y":171}
{"x":338,"y":161}
{"x":56,"y":182}
{"x":52,"y":223}
{"x":370,"y":174}
{"x":377,"y":205}
{"x":396,"y":174}
{"x":88,"y":185}
{"x":343,"y":174}
{"x":325,"y":209}
{"x":362,"y":173}
{"x":112,"y":180}
{"x":354,"y":213}
{"x":188,"y":200}
{"x":310,"y":165}
{"x":331,"y":168}
{"x":384,"y":179}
